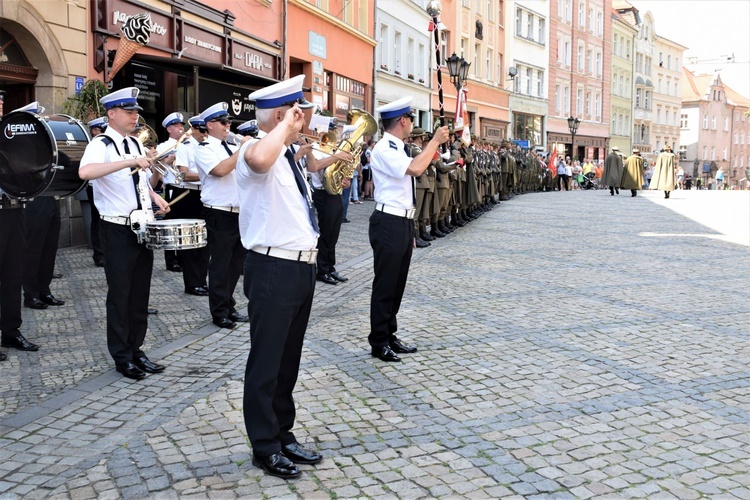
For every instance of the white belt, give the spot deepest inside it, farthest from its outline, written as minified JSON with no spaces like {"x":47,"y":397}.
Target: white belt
{"x":234,"y":210}
{"x":192,"y":187}
{"x":309,"y":256}
{"x":399,"y":212}
{"x":115,"y":219}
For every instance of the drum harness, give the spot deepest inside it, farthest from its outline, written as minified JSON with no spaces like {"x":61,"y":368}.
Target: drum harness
{"x":141,"y":216}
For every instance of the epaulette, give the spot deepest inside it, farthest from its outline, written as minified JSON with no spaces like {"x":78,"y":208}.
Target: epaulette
{"x":392,"y":145}
{"x":204,"y":143}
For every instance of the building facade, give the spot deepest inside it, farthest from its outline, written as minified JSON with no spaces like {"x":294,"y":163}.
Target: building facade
{"x":579,"y":80}
{"x":527,"y":50}
{"x":715,"y":130}
{"x":665,"y":128}
{"x":403,"y":56}
{"x":621,"y":101}
{"x":474,"y":30}
{"x":332,"y":43}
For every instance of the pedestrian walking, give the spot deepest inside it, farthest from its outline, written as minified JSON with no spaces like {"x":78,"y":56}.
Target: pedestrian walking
{"x":664,"y":172}
{"x":632,"y":173}
{"x":612,"y":175}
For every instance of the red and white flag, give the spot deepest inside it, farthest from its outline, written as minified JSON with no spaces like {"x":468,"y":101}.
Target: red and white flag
{"x":551,"y":162}
{"x":462,"y":118}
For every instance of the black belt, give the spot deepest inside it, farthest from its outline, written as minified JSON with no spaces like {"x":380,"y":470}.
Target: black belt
{"x":7,"y":202}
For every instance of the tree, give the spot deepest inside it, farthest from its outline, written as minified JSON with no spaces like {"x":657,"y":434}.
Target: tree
{"x":85,"y":104}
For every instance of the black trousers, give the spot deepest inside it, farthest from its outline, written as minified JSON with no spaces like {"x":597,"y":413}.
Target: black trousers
{"x":227,"y":256}
{"x":96,"y":245}
{"x":280,"y":294}
{"x":330,"y":214}
{"x":194,"y":262}
{"x":128,"y":266}
{"x":12,"y":250}
{"x":392,"y":242}
{"x":42,"y":235}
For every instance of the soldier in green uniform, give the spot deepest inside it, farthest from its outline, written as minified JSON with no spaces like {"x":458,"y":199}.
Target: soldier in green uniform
{"x":414,"y":147}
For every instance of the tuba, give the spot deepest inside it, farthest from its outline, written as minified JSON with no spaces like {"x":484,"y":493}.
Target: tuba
{"x":364,"y":124}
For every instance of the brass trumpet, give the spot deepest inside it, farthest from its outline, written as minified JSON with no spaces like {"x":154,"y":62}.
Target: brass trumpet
{"x":147,"y":137}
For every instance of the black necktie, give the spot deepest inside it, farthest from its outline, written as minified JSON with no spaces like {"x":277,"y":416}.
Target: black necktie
{"x":136,"y":176}
{"x":226,"y":146}
{"x":413,"y":184}
{"x":302,"y":189}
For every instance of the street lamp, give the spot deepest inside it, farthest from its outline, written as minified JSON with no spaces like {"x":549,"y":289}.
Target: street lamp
{"x":573,"y":127}
{"x":458,"y":69}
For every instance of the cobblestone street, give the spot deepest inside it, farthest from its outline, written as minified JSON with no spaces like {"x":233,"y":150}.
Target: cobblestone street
{"x":571,"y":345}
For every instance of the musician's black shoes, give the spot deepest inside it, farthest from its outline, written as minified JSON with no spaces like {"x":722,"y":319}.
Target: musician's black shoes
{"x":300,"y":455}
{"x":147,"y":365}
{"x":401,"y":348}
{"x":129,"y":370}
{"x":19,"y":342}
{"x":277,"y":465}
{"x":385,"y":353}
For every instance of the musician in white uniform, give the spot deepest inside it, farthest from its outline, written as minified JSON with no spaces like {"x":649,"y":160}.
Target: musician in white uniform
{"x":174,"y":123}
{"x":391,"y":226}
{"x":216,"y":160}
{"x":278,"y":226}
{"x":194,"y":261}
{"x":250,"y":128}
{"x":12,"y":248}
{"x":86,"y":197}
{"x":128,"y":264}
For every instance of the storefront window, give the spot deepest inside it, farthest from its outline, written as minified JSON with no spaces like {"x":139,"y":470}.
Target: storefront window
{"x":528,"y":128}
{"x":348,"y":94}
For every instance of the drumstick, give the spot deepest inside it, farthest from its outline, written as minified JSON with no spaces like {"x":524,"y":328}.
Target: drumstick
{"x":187,"y":192}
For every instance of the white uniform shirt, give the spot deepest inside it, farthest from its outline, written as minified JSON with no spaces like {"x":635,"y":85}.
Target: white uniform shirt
{"x":185,"y":157}
{"x":273,"y":212}
{"x":167,"y":178}
{"x":217,"y":191}
{"x":316,"y":178}
{"x":114,"y":194}
{"x":388,"y":162}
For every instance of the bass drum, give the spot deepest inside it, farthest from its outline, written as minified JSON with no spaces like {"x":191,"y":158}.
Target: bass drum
{"x":39,"y":155}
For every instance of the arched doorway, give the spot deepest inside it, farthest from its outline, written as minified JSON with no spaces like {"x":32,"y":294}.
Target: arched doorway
{"x":17,"y":75}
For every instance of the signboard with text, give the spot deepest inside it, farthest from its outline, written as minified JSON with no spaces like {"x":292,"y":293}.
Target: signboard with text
{"x":249,"y":59}
{"x":202,"y":44}
{"x":240,"y":107}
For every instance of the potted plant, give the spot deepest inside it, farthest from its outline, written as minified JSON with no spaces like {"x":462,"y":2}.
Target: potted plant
{"x":410,"y":76}
{"x":85,"y":104}
{"x":397,"y":72}
{"x":421,"y":80}
{"x":384,"y":67}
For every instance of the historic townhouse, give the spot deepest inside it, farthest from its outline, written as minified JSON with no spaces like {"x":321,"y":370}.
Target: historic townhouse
{"x":579,"y":76}
{"x":527,"y":48}
{"x":474,"y":30}
{"x":403,"y":55}
{"x":621,"y":101}
{"x":715,"y":129}
{"x":665,"y":128}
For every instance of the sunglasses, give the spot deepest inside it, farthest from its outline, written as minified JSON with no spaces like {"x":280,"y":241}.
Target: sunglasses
{"x":223,"y":121}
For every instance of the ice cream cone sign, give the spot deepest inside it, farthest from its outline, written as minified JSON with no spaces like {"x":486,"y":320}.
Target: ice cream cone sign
{"x":136,"y":31}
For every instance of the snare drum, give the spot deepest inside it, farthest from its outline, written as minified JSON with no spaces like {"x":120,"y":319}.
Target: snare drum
{"x":39,"y":155}
{"x":176,"y":234}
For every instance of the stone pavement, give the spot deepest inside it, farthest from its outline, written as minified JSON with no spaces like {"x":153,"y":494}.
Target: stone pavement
{"x":571,"y":345}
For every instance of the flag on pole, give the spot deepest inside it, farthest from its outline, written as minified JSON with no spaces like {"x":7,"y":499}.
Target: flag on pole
{"x":551,"y":164}
{"x":462,"y":118}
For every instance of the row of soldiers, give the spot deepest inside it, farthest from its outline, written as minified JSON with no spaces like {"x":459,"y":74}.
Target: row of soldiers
{"x":464,"y":182}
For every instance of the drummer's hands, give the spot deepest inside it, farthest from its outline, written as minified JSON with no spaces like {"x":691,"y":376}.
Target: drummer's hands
{"x":160,"y":202}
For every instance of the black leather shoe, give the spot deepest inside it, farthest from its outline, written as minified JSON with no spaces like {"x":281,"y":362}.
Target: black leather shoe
{"x":224,"y":323}
{"x":327,"y":278}
{"x":335,"y":275}
{"x":239,"y":317}
{"x":34,"y":303}
{"x":50,"y":300}
{"x":401,"y":348}
{"x":425,"y":235}
{"x":299,"y":455}
{"x":129,"y":370}
{"x":175,"y":268}
{"x":422,"y":243}
{"x":147,"y":365}
{"x":345,"y":221}
{"x":99,"y":262}
{"x":384,"y":353}
{"x":196,"y":290}
{"x":56,"y":276}
{"x":437,"y":233}
{"x":3,"y":356}
{"x":151,"y":310}
{"x":277,"y":465}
